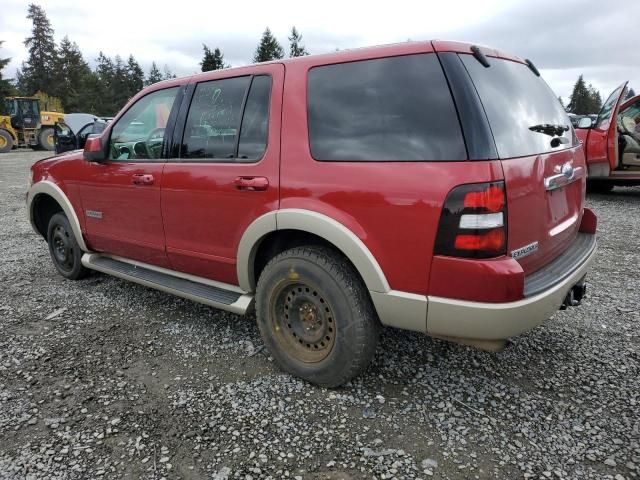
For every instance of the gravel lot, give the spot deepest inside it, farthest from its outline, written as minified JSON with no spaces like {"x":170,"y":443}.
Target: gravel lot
{"x":105,"y":379}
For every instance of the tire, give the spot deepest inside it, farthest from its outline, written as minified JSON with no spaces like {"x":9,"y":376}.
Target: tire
{"x":599,"y":187}
{"x":330,"y":334}
{"x":64,"y":249}
{"x":45,"y":139}
{"x":6,"y":141}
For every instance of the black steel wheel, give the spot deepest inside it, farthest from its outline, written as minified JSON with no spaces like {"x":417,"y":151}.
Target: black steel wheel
{"x":303,"y":320}
{"x":315,"y":315}
{"x":64,"y":249}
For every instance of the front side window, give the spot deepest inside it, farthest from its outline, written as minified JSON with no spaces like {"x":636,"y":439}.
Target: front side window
{"x":139,"y":133}
{"x":389,"y":109}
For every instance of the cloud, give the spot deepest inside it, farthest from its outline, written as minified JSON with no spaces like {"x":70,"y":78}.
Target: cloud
{"x":563,"y":39}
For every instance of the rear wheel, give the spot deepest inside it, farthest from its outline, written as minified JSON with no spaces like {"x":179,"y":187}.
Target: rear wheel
{"x":599,"y":187}
{"x":315,"y":316}
{"x":6,"y":141}
{"x":64,"y":249}
{"x":45,"y":139}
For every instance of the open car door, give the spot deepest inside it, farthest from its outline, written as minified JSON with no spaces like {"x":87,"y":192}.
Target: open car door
{"x":64,"y":139}
{"x":601,"y":145}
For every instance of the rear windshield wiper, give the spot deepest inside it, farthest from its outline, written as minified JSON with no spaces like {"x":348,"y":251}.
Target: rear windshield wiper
{"x":550,"y":129}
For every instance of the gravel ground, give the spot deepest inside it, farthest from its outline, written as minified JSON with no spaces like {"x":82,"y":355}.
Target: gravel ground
{"x":105,"y":379}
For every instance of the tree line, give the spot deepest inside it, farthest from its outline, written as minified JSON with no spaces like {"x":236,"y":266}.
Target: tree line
{"x":62,"y":75}
{"x":585,"y":99}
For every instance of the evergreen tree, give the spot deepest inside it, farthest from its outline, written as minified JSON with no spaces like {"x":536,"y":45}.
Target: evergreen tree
{"x":120,"y":85}
{"x":6,"y":87}
{"x":70,"y":73}
{"x":103,"y":86}
{"x":584,"y":100}
{"x":561,"y":102}
{"x":135,"y":77}
{"x":296,"y":49}
{"x":91,"y":98}
{"x":212,"y":60}
{"x":596,"y":99}
{"x":168,"y":74}
{"x":154,"y":75}
{"x":208,"y":63}
{"x":37,"y":72}
{"x":630,"y":93}
{"x":268,"y":48}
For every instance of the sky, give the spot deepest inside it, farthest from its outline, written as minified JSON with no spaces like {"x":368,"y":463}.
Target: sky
{"x":563,"y":39}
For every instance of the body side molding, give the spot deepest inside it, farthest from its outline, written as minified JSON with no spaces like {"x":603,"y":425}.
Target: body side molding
{"x":54,"y":191}
{"x":317,"y":224}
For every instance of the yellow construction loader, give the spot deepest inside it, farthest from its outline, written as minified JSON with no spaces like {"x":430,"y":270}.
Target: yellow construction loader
{"x":26,"y":126}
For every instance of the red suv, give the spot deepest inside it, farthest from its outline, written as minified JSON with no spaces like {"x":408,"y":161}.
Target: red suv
{"x":430,"y":186}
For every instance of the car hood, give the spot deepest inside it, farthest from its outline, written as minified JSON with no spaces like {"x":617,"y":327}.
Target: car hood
{"x":62,"y":157}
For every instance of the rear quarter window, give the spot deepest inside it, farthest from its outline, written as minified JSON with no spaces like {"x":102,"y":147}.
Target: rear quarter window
{"x":389,"y":109}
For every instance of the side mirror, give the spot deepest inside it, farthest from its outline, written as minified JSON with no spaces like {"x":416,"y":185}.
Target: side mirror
{"x":93,"y":149}
{"x":585,"y":122}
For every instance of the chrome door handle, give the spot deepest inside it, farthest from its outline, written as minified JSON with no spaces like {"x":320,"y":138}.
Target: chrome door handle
{"x":251,"y":184}
{"x":142,"y":179}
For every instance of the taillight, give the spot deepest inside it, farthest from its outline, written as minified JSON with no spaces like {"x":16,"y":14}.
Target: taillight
{"x":473,"y":223}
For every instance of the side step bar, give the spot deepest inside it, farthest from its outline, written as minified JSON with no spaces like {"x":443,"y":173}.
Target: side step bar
{"x":202,"y":290}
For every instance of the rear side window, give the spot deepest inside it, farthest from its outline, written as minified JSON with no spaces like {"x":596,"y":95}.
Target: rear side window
{"x":390,"y":109}
{"x":517,"y":103}
{"x":214,"y":118}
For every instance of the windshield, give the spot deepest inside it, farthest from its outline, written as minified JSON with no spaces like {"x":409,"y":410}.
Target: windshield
{"x":28,"y":108}
{"x":524,"y":114}
{"x":9,"y":106}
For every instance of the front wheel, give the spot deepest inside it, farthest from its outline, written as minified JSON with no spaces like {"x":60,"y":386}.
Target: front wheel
{"x":315,"y":316}
{"x":64,"y":249}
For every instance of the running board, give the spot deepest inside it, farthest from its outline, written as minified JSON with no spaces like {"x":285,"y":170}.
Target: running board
{"x":202,"y":290}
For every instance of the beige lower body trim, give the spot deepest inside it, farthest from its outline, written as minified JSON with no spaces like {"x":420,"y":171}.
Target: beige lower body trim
{"x":495,"y":321}
{"x":49,"y":188}
{"x":318,"y":224}
{"x":401,"y":310}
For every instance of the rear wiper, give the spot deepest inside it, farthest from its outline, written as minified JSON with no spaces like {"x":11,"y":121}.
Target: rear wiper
{"x":550,"y":129}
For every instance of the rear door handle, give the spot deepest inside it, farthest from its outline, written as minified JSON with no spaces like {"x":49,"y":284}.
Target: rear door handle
{"x":251,"y":184}
{"x":143,"y":179}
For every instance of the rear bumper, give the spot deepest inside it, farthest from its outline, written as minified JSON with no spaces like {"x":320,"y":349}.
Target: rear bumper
{"x":496,"y":321}
{"x":472,"y":322}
